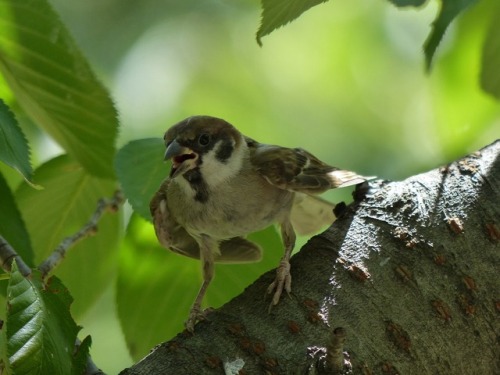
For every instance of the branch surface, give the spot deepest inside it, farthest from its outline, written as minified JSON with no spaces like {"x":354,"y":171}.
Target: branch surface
{"x":408,"y":275}
{"x":7,"y":256}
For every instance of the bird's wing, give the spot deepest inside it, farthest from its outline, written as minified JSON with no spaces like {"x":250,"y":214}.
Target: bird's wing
{"x":238,"y":250}
{"x":173,"y":236}
{"x":297,"y":170}
{"x":169,"y":232}
{"x":311,"y":214}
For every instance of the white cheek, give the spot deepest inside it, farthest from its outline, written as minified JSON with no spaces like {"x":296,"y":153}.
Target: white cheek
{"x":215,"y":172}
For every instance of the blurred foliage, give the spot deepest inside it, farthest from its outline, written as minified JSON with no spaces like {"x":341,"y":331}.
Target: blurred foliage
{"x":276,"y":13}
{"x":354,"y":72}
{"x":490,"y":79}
{"x":345,"y":81}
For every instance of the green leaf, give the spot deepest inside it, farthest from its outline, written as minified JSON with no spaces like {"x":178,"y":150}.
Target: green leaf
{"x":63,"y":207}
{"x":14,"y":149}
{"x":164,"y":284}
{"x":12,"y":226}
{"x":140,"y":169}
{"x":232,"y":279}
{"x":5,"y":91}
{"x":277,"y":13}
{"x":490,"y":68}
{"x":408,"y":3}
{"x":40,"y":331}
{"x":449,"y":10}
{"x":54,"y":85}
{"x":82,"y":353}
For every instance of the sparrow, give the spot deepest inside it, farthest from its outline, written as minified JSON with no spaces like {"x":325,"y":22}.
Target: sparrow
{"x":223,"y":185}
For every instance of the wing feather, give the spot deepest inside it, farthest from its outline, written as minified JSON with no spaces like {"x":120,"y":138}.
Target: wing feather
{"x":297,"y":170}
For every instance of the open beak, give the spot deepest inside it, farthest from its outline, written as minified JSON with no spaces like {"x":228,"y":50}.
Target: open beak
{"x":183,"y":158}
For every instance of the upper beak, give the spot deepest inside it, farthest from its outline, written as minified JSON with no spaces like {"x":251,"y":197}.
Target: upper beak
{"x":183,"y":158}
{"x":174,"y":149}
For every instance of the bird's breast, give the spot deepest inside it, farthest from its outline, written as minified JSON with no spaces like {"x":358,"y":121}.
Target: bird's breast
{"x":236,"y":208}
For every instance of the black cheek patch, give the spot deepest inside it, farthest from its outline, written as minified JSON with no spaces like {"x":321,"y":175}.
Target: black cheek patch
{"x":198,"y":184}
{"x":225,"y":151}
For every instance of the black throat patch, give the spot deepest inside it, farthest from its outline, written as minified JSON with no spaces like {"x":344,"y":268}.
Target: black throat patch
{"x":198,"y":184}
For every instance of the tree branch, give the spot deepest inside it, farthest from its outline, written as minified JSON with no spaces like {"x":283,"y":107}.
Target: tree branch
{"x":7,"y":256}
{"x":89,"y":229}
{"x":410,"y":274}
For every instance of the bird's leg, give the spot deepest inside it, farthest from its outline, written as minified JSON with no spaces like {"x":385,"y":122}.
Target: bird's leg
{"x":207,"y":248}
{"x":283,"y":278}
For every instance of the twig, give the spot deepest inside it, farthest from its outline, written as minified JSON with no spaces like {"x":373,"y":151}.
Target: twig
{"x":88,"y":229}
{"x":7,"y":256}
{"x":335,"y":351}
{"x":92,"y":369}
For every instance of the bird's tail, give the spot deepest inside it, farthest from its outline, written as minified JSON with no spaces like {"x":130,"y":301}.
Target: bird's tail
{"x":341,"y":178}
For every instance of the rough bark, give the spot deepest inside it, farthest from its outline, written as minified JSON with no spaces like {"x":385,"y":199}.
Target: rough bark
{"x":410,"y":272}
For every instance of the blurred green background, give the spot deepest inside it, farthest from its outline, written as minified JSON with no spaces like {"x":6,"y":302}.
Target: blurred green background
{"x":345,"y":81}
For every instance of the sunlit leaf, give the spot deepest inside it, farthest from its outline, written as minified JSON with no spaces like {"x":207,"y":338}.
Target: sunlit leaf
{"x":54,"y":85}
{"x":490,"y":69}
{"x":140,"y":169}
{"x":12,"y":226}
{"x":40,"y":331}
{"x":14,"y":149}
{"x":157,"y":287}
{"x":449,"y":10}
{"x":63,"y":207}
{"x":277,"y":13}
{"x":5,"y":91}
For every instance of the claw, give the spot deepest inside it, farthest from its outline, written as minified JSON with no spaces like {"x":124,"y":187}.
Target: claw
{"x":282,"y":281}
{"x":196,"y":315}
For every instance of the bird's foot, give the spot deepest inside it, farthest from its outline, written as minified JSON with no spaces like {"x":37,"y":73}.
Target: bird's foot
{"x":195,"y":315}
{"x":282,"y":281}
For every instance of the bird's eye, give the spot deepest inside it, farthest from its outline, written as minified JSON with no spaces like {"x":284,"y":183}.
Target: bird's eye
{"x":204,"y":139}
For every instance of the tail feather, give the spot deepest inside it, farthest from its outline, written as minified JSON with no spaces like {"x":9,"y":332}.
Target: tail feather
{"x":310,"y":214}
{"x":342,"y":178}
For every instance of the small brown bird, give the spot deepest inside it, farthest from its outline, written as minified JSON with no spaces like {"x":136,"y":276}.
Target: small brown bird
{"x":224,"y":185}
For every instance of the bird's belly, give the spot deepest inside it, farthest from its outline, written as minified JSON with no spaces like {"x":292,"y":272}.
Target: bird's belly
{"x":228,"y":222}
{"x":229,"y":213}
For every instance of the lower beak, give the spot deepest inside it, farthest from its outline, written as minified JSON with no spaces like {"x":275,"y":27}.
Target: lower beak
{"x":183,"y":158}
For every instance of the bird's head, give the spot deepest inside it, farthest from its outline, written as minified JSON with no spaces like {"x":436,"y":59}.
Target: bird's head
{"x":208,"y":143}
